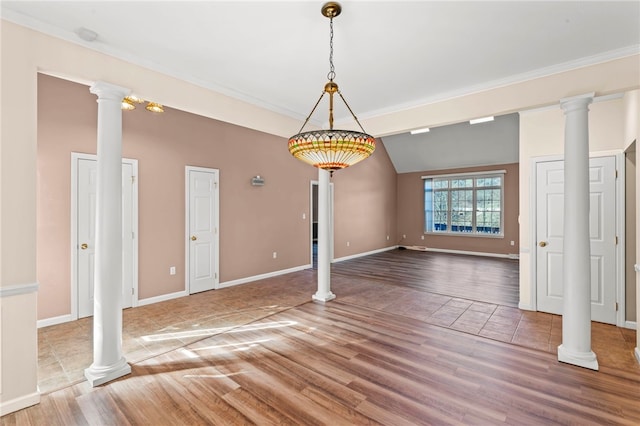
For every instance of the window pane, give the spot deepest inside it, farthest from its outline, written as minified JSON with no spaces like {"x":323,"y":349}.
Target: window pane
{"x":428,"y":205}
{"x":461,"y":221}
{"x":436,"y":206}
{"x":488,"y":181}
{"x":462,"y":183}
{"x":440,"y":210}
{"x":440,"y":183}
{"x":462,"y":200}
{"x":488,"y":199}
{"x":462,"y":210}
{"x":488,"y":214}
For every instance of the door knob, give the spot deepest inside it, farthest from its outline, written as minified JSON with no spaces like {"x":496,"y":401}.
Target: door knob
{"x":84,"y":246}
{"x":193,"y":238}
{"x":542,"y":243}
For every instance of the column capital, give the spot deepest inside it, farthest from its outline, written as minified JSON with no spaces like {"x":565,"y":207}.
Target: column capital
{"x":577,"y":102}
{"x":106,"y":90}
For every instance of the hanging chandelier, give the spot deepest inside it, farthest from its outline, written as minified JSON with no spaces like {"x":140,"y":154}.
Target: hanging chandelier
{"x":331,"y":149}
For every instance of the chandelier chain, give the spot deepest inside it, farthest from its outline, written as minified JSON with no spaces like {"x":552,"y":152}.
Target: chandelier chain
{"x":332,"y":71}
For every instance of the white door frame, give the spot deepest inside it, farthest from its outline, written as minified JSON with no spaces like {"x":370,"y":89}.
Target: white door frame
{"x":75,"y":156}
{"x":620,"y":228}
{"x":216,"y":224}
{"x":311,"y":184}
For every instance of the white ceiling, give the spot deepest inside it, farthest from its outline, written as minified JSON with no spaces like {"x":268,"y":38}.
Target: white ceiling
{"x":389,"y":55}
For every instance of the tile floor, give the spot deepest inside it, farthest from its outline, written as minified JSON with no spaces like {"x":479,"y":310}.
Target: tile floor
{"x":65,"y":350}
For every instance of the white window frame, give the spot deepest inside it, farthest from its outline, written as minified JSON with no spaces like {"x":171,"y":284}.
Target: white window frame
{"x":474,"y":189}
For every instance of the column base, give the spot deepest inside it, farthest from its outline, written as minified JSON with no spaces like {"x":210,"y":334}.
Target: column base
{"x":637,"y":351}
{"x":97,"y":376}
{"x":323,"y":297}
{"x":581,"y":359}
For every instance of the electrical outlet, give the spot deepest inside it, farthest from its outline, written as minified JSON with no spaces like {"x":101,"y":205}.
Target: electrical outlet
{"x":275,"y":254}
{"x":422,"y":237}
{"x":387,"y":238}
{"x":172,"y":270}
{"x":347,"y":243}
{"x":304,"y":216}
{"x":404,"y":236}
{"x":513,"y":243}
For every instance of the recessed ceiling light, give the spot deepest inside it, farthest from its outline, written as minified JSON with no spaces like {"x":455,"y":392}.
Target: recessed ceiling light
{"x":481,"y":120}
{"x":418,"y":131}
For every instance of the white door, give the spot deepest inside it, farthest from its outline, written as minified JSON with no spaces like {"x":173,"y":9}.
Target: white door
{"x":202,"y":229}
{"x":85,"y":234}
{"x":602,"y":229}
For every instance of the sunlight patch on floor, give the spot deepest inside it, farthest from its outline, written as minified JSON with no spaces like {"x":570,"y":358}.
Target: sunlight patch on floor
{"x":235,"y":346}
{"x":212,"y":376}
{"x":213,"y":331}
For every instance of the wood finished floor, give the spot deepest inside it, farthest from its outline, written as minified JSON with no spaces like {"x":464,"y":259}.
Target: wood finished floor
{"x":380,"y":353}
{"x":491,"y":280}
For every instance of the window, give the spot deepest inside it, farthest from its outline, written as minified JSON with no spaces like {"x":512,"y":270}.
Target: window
{"x":464,"y":204}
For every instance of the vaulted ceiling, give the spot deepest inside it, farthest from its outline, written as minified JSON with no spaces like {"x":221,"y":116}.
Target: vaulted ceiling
{"x":389,"y":55}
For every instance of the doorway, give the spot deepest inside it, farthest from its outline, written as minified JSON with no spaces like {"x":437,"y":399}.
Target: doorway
{"x":605,"y":231}
{"x":202,"y":221}
{"x":83,"y":208}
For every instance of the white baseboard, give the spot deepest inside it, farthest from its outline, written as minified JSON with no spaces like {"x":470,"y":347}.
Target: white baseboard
{"x":19,"y":403}
{"x":262,"y":276}
{"x":355,"y":256}
{"x":525,"y":307}
{"x":470,"y":253}
{"x":162,"y":298}
{"x":631,"y":324}
{"x":637,"y":352}
{"x":54,"y":320}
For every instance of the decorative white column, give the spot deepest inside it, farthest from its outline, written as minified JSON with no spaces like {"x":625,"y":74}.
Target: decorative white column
{"x":108,"y":362}
{"x":324,"y":239}
{"x":576,"y":319}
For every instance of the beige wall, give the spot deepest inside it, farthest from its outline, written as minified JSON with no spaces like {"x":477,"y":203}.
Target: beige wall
{"x":542,"y":134}
{"x":365,"y":205}
{"x":630,"y":227}
{"x":631,"y":135}
{"x":411,"y":214}
{"x":254,"y":221}
{"x":19,"y":385}
{"x":631,"y":102}
{"x":18,"y":347}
